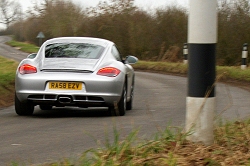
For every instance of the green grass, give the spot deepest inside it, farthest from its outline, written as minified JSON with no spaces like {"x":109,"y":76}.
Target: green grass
{"x":162,"y":67}
{"x":234,"y":73}
{"x":7,"y":77}
{"x":25,"y":47}
{"x":223,"y":72}
{"x":7,"y":72}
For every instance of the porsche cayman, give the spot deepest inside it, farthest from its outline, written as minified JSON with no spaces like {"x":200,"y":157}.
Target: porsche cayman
{"x":78,"y":72}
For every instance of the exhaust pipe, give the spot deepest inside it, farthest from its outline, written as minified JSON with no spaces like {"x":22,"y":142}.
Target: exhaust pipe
{"x":64,"y":100}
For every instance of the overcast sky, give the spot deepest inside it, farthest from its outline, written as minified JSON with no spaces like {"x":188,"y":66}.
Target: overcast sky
{"x":146,"y":4}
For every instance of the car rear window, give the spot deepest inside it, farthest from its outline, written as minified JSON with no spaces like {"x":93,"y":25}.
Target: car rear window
{"x":73,"y":50}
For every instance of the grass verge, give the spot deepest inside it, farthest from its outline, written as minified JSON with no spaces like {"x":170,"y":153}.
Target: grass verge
{"x":7,"y":75}
{"x":25,"y":47}
{"x":223,"y":72}
{"x":170,"y":148}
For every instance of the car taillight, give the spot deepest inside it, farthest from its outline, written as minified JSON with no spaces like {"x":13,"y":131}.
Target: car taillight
{"x":27,"y":69}
{"x":109,"y":72}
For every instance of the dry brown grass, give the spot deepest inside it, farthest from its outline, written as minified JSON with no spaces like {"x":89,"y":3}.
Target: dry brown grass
{"x":170,"y":148}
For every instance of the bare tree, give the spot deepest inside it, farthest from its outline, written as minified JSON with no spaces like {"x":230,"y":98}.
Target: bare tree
{"x":10,"y":11}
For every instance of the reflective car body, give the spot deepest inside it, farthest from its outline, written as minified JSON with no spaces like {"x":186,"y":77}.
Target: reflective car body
{"x":75,"y":71}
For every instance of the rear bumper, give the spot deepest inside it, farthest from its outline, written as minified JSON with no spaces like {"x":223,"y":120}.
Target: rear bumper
{"x":99,"y":90}
{"x":70,"y":100}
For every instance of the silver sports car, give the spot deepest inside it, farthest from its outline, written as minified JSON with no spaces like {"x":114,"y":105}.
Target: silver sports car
{"x":75,"y":71}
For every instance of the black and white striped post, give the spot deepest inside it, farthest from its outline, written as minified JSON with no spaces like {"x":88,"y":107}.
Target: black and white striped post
{"x":244,"y":56}
{"x":202,"y":38}
{"x":185,"y":53}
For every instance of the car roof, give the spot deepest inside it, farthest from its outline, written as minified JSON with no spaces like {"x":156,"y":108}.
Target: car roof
{"x":90,"y":40}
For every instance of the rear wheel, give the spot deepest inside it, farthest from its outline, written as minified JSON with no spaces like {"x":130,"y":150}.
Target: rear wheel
{"x":129,"y":104}
{"x":119,"y":108}
{"x":45,"y":107}
{"x":23,"y":108}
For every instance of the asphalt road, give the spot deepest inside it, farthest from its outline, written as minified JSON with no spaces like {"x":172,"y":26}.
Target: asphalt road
{"x":9,"y":52}
{"x":160,"y":101}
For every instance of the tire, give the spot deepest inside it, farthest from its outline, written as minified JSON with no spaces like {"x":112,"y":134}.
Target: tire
{"x":119,"y":109}
{"x":23,"y":108}
{"x":45,"y":107}
{"x":112,"y":111}
{"x":129,"y":104}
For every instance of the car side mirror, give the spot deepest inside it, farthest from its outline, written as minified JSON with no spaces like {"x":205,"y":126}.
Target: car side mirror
{"x":32,"y":56}
{"x":130,"y":60}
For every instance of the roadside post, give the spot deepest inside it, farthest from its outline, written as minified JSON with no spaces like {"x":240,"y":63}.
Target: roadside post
{"x":244,"y":56}
{"x":185,"y":53}
{"x":200,"y":102}
{"x":40,"y":37}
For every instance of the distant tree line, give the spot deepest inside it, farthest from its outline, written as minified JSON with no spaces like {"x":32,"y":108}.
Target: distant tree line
{"x":150,"y":35}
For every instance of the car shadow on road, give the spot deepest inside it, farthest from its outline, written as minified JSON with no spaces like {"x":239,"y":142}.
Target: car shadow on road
{"x":71,"y":112}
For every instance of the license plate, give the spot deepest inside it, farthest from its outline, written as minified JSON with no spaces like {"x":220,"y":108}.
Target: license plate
{"x":65,"y":85}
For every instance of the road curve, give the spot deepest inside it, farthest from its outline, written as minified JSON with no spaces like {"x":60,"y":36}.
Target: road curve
{"x":9,"y":52}
{"x":160,"y":100}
